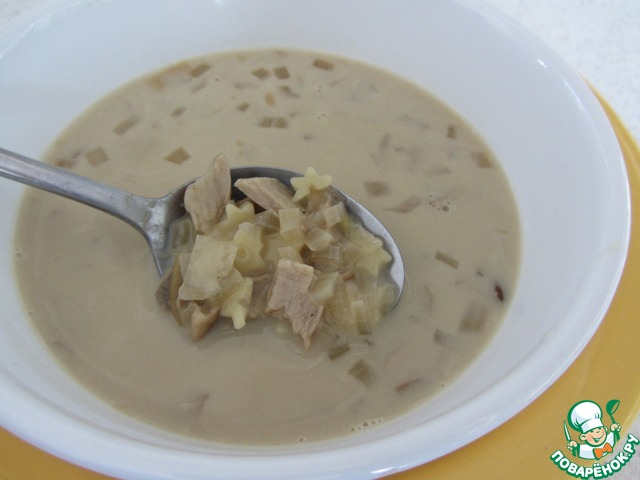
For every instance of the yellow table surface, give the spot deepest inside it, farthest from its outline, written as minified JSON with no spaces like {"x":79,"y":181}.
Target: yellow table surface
{"x":520,"y":448}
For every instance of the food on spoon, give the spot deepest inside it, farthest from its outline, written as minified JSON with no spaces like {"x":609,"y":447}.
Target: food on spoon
{"x":285,"y":246}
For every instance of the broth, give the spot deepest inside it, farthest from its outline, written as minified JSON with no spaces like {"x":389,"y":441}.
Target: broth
{"x":88,"y":280}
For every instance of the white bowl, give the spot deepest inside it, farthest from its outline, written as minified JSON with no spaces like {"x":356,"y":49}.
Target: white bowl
{"x":537,"y":115}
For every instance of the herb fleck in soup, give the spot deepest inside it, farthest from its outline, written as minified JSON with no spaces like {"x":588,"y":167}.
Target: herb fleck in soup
{"x":89,"y":282}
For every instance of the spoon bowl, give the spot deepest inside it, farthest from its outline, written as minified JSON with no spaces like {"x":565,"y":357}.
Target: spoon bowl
{"x":155,"y":218}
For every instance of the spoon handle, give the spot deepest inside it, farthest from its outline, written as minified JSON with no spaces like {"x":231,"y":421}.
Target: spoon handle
{"x":67,"y":184}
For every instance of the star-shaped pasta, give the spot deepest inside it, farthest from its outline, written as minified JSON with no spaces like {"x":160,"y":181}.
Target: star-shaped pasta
{"x":310,"y":181}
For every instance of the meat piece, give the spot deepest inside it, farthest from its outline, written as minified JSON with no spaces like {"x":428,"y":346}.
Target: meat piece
{"x":261,"y":285}
{"x":206,"y":197}
{"x":209,"y":270}
{"x":270,"y":193}
{"x":289,"y":298}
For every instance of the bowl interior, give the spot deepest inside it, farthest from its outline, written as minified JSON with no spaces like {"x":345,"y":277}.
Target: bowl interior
{"x":540,"y":119}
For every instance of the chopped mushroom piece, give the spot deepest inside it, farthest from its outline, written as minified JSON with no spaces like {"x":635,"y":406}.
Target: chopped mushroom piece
{"x":125,"y":125}
{"x":96,"y":156}
{"x":475,"y":318}
{"x":401,"y":387}
{"x":261,"y":73}
{"x":407,"y":205}
{"x":447,"y":259}
{"x":281,"y":72}
{"x":178,"y":156}
{"x":323,"y":64}
{"x":443,"y":338}
{"x":361,"y":371}
{"x":338,"y":350}
{"x":376,"y":188}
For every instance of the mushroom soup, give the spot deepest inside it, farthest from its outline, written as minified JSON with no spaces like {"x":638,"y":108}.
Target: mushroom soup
{"x":89,"y":281}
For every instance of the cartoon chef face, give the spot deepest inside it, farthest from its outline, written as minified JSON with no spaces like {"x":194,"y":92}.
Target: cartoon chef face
{"x":595,"y":437}
{"x":586,"y":417}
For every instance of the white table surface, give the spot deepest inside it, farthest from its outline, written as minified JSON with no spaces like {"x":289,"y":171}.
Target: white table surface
{"x":599,"y":38}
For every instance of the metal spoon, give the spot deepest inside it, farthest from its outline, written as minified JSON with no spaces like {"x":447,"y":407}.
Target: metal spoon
{"x":154,"y":217}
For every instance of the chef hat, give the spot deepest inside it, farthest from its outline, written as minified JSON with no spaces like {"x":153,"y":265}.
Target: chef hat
{"x":585,"y":416}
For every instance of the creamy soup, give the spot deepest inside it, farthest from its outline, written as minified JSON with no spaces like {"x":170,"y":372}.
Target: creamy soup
{"x":89,"y":281}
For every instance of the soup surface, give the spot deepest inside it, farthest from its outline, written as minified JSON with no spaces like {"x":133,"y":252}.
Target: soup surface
{"x":89,"y":282}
